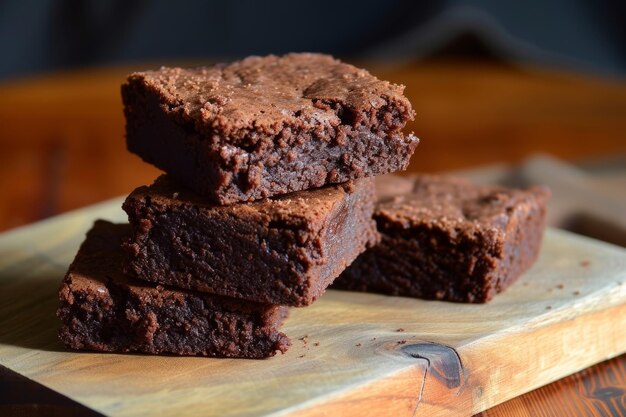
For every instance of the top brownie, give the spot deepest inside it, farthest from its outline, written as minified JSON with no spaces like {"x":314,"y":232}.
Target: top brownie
{"x":269,"y":125}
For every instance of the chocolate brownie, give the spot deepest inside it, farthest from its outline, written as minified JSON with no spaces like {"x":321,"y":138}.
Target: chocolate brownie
{"x":283,"y":250}
{"x":102,"y":309}
{"x":267,"y":126}
{"x":451,"y":240}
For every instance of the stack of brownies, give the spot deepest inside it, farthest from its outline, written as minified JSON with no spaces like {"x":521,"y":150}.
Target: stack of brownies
{"x":268,"y":197}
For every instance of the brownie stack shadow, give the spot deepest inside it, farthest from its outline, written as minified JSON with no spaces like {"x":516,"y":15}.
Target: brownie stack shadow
{"x":268,"y":197}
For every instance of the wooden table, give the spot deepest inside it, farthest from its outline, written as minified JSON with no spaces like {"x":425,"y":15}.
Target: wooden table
{"x":62,"y":147}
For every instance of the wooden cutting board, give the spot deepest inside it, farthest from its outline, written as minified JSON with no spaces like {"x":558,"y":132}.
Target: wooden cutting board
{"x":352,"y":354}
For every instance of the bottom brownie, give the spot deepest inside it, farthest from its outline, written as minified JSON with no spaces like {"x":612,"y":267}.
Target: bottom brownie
{"x":451,"y":240}
{"x":103,"y":310}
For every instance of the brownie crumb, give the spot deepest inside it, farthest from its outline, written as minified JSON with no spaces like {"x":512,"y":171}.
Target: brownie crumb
{"x":358,"y":345}
{"x":560,"y":286}
{"x":401,"y":342}
{"x":316,"y":344}
{"x":548,"y":307}
{"x":576,"y":293}
{"x":585,"y":263}
{"x":400,"y":330}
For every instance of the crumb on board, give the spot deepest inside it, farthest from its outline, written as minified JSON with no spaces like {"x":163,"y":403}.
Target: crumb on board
{"x":301,"y":356}
{"x":401,"y":342}
{"x":357,"y":345}
{"x":585,"y":263}
{"x":316,"y":344}
{"x":560,"y":286}
{"x":576,"y":292}
{"x":305,"y":338}
{"x":548,"y":307}
{"x":400,"y":329}
{"x":373,"y":338}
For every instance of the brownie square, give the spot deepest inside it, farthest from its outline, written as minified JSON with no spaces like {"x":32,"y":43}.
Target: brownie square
{"x":101,"y":309}
{"x":266,"y":126}
{"x":284,"y":250}
{"x":451,"y":240}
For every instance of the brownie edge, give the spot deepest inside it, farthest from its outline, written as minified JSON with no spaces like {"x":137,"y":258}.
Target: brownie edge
{"x":103,"y":310}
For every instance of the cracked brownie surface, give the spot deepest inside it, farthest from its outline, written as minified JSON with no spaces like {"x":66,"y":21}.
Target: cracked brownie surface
{"x":269,"y":125}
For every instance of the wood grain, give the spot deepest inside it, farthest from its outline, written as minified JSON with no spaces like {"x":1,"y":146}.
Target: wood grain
{"x":353,"y":353}
{"x":600,"y":391}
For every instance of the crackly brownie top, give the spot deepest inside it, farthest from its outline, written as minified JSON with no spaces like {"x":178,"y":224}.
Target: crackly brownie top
{"x":455,"y":204}
{"x":310,"y":207}
{"x":267,"y":94}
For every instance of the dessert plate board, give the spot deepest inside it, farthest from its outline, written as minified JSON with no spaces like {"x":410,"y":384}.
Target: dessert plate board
{"x":352,"y":353}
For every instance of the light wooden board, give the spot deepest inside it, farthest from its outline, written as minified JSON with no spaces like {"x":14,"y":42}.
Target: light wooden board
{"x":567,"y":313}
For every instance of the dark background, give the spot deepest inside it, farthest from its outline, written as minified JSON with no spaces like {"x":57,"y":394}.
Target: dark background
{"x":44,"y":35}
